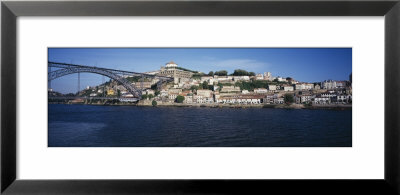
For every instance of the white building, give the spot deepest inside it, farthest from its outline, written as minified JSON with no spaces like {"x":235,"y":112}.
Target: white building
{"x":163,"y":93}
{"x":279,"y":101}
{"x":329,"y":84}
{"x":188,"y":99}
{"x":229,"y":89}
{"x":304,"y":86}
{"x":322,"y":100}
{"x":172,"y":96}
{"x":280,"y":79}
{"x":171,"y":64}
{"x":288,"y":88}
{"x":268,"y":76}
{"x":272,"y":87}
{"x":241,"y":78}
{"x":260,"y":90}
{"x":205,"y":93}
{"x":150,"y":92}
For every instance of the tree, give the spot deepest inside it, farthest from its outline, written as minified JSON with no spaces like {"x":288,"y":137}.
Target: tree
{"x":144,"y":96}
{"x":221,"y":73}
{"x":288,"y":98}
{"x":154,"y":103}
{"x":252,"y":74}
{"x":118,"y":93}
{"x":194,"y":87}
{"x":205,"y":85}
{"x":211,"y":73}
{"x":240,"y":72}
{"x":180,"y":99}
{"x":150,"y":96}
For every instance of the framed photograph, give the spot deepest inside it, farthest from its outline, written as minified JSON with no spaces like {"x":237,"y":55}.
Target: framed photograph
{"x":196,"y":97}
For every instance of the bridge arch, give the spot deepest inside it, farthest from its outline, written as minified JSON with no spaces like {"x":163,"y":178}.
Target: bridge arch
{"x":72,"y":70}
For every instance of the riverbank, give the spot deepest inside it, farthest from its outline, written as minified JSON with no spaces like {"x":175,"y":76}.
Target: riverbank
{"x":148,"y":103}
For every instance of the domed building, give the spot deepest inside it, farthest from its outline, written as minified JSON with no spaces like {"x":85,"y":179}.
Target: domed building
{"x":171,"y":64}
{"x":171,"y":70}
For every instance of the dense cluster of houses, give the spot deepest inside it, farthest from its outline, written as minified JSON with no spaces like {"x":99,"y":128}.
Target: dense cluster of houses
{"x":225,"y":89}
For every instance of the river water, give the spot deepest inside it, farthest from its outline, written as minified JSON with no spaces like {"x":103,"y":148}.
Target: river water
{"x":131,"y":126}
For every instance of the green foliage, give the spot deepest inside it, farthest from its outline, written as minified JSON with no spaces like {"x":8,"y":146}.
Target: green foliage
{"x":154,"y":87}
{"x":251,"y":85}
{"x":185,"y":69}
{"x":118,"y":93}
{"x":133,"y":79}
{"x":240,"y":72}
{"x":288,"y":98}
{"x":150,"y":96}
{"x":144,"y":96}
{"x":154,"y":103}
{"x":180,"y":99}
{"x":156,"y":93}
{"x":194,"y":87}
{"x":221,"y":73}
{"x":205,"y":85}
{"x":197,"y":75}
{"x":211,"y":73}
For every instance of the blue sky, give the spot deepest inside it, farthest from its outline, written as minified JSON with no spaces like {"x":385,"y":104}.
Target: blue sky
{"x":303,"y":64}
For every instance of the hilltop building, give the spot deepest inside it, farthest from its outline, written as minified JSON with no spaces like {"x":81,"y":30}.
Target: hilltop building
{"x":171,"y":70}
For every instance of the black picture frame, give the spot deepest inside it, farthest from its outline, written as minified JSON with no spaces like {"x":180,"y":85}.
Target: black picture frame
{"x":10,"y":10}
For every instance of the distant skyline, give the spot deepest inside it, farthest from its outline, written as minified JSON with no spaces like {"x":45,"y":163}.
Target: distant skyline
{"x":302,"y":64}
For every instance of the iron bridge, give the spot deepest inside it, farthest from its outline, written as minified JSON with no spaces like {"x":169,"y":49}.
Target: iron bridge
{"x":117,"y":75}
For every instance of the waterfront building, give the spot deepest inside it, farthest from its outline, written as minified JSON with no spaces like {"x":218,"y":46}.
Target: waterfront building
{"x":172,"y":96}
{"x":188,"y":98}
{"x":303,"y":99}
{"x":259,"y":77}
{"x":322,"y":100}
{"x":245,"y":92}
{"x":279,"y":100}
{"x":205,"y":93}
{"x":241,"y":99}
{"x":268,"y":99}
{"x":203,"y":100}
{"x":163,"y":93}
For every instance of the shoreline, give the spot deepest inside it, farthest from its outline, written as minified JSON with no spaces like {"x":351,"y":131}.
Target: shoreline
{"x":271,"y":106}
